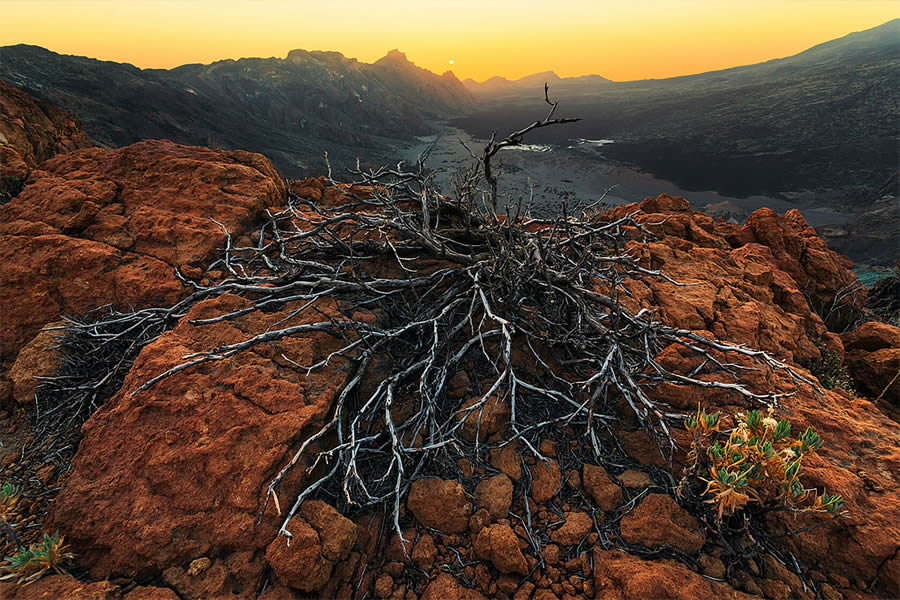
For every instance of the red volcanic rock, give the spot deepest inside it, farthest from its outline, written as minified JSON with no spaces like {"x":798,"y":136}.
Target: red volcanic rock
{"x":179,"y":471}
{"x":495,"y":494}
{"x":319,"y":539}
{"x":215,"y":579}
{"x":620,"y":576}
{"x":598,"y":484}
{"x":425,"y":552}
{"x":632,"y":478}
{"x":53,"y":587}
{"x":31,"y":131}
{"x":483,"y":422}
{"x":150,"y":593}
{"x":546,"y":480}
{"x":336,"y":532}
{"x":871,"y":337}
{"x":299,"y":562}
{"x":576,"y":526}
{"x":39,"y":358}
{"x":860,"y":460}
{"x":97,"y":226}
{"x":46,"y":275}
{"x":499,"y":544}
{"x":440,"y":504}
{"x":872,"y":356}
{"x":444,"y":587}
{"x":320,"y":191}
{"x":801,"y":253}
{"x":507,"y":460}
{"x":748,"y":285}
{"x":658,"y":521}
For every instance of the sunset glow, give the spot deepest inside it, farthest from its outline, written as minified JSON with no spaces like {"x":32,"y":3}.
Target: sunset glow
{"x":619,"y":40}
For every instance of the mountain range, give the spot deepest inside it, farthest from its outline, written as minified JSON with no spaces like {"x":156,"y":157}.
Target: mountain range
{"x":291,"y":109}
{"x":822,"y":120}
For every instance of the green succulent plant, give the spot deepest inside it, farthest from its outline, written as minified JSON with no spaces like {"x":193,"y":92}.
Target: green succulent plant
{"x":30,"y":564}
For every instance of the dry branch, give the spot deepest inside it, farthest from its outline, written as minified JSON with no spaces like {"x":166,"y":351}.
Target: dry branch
{"x":531,"y":308}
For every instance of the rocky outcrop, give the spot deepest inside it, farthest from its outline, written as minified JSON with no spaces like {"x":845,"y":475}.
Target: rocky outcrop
{"x":821,"y":274}
{"x":99,"y":227}
{"x":743,"y":284}
{"x":169,"y":483}
{"x":31,"y":131}
{"x":177,"y":472}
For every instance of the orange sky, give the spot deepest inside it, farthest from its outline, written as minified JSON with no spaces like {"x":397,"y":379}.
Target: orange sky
{"x":622,"y":40}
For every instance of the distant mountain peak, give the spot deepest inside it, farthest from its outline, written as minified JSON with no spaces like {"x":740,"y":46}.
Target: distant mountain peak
{"x":450,"y":76}
{"x":546,"y":75}
{"x":396,"y":58}
{"x":328,"y":56}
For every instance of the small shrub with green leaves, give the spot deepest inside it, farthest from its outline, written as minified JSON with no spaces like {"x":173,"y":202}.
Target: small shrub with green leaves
{"x":30,"y":564}
{"x":9,"y":499}
{"x":830,"y":370}
{"x":759,"y":461}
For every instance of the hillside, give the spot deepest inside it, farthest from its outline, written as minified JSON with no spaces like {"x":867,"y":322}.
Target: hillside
{"x":217,"y":384}
{"x":292,"y":109}
{"x":821,"y":120}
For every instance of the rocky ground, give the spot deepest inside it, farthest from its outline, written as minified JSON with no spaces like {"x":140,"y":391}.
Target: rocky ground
{"x":166,"y":496}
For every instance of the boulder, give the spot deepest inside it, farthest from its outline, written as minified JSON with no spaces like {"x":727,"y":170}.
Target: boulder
{"x":180,"y":469}
{"x":319,"y":539}
{"x":488,"y":419}
{"x":299,"y":561}
{"x":573,"y":530}
{"x":659,"y":521}
{"x":440,"y":504}
{"x":506,"y":459}
{"x":632,"y":479}
{"x":39,"y":358}
{"x":871,"y":337}
{"x":96,"y":227}
{"x":546,"y":480}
